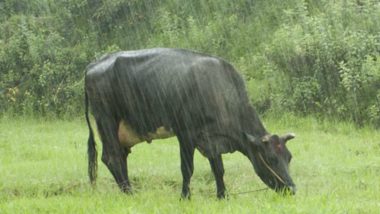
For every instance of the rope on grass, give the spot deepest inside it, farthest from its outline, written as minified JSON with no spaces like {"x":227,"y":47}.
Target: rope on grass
{"x":251,"y":191}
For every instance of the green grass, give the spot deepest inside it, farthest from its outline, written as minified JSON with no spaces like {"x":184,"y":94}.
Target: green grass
{"x":43,"y":169}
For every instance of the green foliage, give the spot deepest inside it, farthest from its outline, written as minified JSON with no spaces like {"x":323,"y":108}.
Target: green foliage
{"x":308,"y":57}
{"x":330,"y":60}
{"x":39,"y":72}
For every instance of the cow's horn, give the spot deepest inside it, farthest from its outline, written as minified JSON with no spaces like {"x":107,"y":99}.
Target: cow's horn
{"x":265,"y":139}
{"x":288,"y":136}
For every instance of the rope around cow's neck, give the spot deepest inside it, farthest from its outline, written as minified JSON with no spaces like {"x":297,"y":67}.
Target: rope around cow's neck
{"x":262,"y":189}
{"x":271,"y":170}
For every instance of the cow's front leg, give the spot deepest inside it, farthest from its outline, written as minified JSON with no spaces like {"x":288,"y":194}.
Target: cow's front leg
{"x":187,"y":167}
{"x":218,"y":170}
{"x":114,"y":156}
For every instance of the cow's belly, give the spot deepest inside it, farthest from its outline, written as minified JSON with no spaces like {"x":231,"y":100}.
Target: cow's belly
{"x":128,"y":137}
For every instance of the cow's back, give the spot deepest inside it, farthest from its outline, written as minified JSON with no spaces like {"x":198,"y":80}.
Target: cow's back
{"x":173,"y":88}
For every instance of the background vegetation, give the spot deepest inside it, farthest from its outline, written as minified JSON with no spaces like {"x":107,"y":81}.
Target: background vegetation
{"x":309,"y":57}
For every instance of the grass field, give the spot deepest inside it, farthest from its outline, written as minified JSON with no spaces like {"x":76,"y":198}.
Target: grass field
{"x":43,"y":169}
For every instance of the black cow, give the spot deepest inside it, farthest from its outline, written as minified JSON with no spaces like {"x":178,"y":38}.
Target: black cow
{"x":137,"y":96}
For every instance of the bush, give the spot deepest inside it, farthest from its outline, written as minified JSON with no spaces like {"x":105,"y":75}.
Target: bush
{"x":308,"y":57}
{"x":331,"y":62}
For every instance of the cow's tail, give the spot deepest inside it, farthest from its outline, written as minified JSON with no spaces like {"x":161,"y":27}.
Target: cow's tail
{"x":91,"y":148}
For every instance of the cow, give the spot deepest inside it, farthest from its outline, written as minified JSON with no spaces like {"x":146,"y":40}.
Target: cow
{"x":142,"y":95}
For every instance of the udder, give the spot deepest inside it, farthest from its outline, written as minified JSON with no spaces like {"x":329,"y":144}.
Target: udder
{"x":128,"y":137}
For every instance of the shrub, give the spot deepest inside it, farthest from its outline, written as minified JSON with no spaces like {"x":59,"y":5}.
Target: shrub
{"x":331,"y":62}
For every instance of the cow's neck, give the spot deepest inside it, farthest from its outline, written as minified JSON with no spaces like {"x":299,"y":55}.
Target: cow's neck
{"x":252,"y":124}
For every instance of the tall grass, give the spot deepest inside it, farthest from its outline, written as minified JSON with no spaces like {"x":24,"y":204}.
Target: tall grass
{"x":43,"y":170}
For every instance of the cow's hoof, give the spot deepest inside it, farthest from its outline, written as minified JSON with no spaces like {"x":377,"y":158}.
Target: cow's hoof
{"x":185,"y":197}
{"x":221,"y":196}
{"x":129,"y":192}
{"x":126,"y":189}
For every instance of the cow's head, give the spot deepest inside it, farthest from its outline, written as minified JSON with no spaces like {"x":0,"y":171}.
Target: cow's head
{"x":271,"y":161}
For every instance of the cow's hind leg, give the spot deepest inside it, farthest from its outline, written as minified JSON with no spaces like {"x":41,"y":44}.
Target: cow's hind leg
{"x":187,"y":164}
{"x":218,"y":170}
{"x":114,"y":156}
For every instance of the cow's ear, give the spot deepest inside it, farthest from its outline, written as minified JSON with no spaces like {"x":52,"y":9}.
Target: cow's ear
{"x":288,"y":136}
{"x":251,"y":139}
